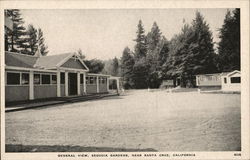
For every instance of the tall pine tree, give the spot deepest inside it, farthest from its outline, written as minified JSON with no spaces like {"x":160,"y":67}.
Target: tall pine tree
{"x":42,"y":46}
{"x":16,"y":37}
{"x":140,"y":47}
{"x":127,"y":64}
{"x":229,"y":45}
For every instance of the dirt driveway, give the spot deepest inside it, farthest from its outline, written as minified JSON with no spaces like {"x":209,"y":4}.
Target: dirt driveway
{"x":137,"y":121}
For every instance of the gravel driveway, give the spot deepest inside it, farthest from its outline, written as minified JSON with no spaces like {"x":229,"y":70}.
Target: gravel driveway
{"x":137,"y":121}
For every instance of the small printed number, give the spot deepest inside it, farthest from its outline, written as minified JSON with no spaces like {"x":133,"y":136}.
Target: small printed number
{"x":237,"y":154}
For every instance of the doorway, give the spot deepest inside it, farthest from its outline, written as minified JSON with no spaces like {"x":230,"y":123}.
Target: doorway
{"x":72,"y":84}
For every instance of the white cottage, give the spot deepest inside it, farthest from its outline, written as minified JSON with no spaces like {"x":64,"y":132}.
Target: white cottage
{"x":231,"y":81}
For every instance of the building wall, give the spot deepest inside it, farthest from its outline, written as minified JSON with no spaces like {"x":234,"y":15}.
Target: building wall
{"x":16,"y":93}
{"x":44,"y":91}
{"x":208,"y":80}
{"x":230,"y":86}
{"x":103,"y":88}
{"x":92,"y":88}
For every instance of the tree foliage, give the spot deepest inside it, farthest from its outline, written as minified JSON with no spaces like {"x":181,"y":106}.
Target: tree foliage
{"x":127,"y":63}
{"x":229,"y":45}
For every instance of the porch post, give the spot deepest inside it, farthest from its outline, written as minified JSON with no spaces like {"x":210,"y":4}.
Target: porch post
{"x":66,"y":84}
{"x":78,"y":84}
{"x":84,"y":82}
{"x":108,"y":84}
{"x":97,"y":84}
{"x":117,"y":84}
{"x":31,"y":85}
{"x":58,"y":84}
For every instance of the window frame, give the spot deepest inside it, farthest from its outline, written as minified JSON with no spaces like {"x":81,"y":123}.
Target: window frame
{"x":41,"y":75}
{"x":51,"y":79}
{"x":238,"y":78}
{"x":20,"y":78}
{"x":40,"y":82}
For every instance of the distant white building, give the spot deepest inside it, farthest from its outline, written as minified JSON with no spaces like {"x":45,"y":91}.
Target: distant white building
{"x":231,"y":81}
{"x":226,"y":81}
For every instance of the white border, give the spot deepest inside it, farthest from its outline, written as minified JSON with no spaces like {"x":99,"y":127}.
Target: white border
{"x":143,"y":4}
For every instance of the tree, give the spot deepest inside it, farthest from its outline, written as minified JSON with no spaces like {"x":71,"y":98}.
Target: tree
{"x":115,"y":67}
{"x":80,"y":53}
{"x":140,"y":73}
{"x":42,"y":46}
{"x":153,"y":55}
{"x":229,"y":45}
{"x":200,"y":51}
{"x":127,"y":63}
{"x":31,"y":39}
{"x":140,"y":47}
{"x":153,"y":38}
{"x":94,"y":65}
{"x":16,"y":36}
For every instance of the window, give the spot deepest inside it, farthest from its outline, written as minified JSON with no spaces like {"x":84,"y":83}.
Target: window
{"x":25,"y":78}
{"x":87,"y":80}
{"x":81,"y":78}
{"x":53,"y":79}
{"x":92,"y":80}
{"x":225,"y":80}
{"x":103,"y":80}
{"x":45,"y":79}
{"x":62,"y":76}
{"x":13,"y":78}
{"x":235,"y":79}
{"x":37,"y":79}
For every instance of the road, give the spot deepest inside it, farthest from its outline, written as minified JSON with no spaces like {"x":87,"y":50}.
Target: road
{"x":137,"y":121}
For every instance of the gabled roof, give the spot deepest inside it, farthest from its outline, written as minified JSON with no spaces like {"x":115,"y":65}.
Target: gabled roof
{"x":51,"y":61}
{"x":232,"y":73}
{"x":44,"y":62}
{"x":19,"y":60}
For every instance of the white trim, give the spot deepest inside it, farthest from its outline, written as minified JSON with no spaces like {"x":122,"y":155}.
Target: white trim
{"x":58,"y":84}
{"x":84,"y":83}
{"x":70,"y":56}
{"x":97,"y":84}
{"x":31,"y":85}
{"x":28,"y":69}
{"x":95,"y":74}
{"x":108,"y":84}
{"x":87,"y":69}
{"x":72,"y":69}
{"x":78,"y":83}
{"x":64,"y":60}
{"x":66,"y":84}
{"x":229,"y":74}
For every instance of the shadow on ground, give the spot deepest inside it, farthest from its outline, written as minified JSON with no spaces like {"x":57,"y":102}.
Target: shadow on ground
{"x":68,"y":148}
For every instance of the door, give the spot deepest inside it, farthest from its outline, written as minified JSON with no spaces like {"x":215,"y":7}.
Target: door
{"x":72,"y":84}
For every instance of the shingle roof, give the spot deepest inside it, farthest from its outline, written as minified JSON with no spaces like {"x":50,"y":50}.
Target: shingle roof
{"x":51,"y":61}
{"x":19,"y":60}
{"x":27,"y":61}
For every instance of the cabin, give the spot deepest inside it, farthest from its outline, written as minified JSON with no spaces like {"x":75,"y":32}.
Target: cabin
{"x":226,"y":81}
{"x":167,"y":84}
{"x":38,"y":77}
{"x":231,"y":81}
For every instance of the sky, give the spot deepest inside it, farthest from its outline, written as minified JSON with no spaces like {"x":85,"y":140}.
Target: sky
{"x":104,"y":33}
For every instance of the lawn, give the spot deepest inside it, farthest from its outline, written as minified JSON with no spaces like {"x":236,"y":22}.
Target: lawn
{"x":136,"y":121}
